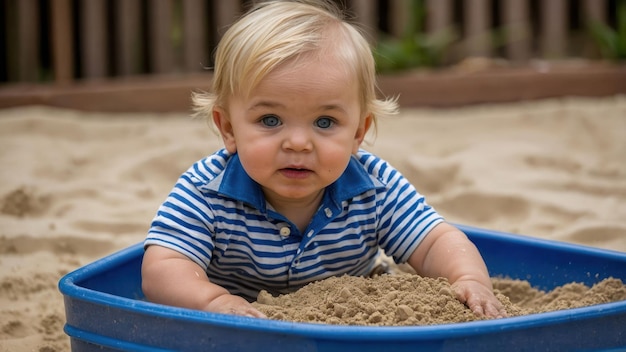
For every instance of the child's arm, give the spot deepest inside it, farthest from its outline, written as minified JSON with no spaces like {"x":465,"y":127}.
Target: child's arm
{"x":447,"y":252}
{"x":170,"y":278}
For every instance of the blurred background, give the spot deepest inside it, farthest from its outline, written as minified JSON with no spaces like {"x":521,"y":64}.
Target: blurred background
{"x":61,"y":41}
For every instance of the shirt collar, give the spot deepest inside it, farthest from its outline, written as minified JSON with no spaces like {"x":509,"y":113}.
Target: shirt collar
{"x":235,"y":183}
{"x":354,"y":181}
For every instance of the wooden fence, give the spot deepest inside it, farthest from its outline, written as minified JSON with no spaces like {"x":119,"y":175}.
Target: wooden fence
{"x":67,"y":40}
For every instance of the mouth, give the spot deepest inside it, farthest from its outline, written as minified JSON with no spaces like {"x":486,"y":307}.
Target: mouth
{"x":295,"y":172}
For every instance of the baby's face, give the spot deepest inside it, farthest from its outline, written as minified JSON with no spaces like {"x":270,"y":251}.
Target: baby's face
{"x":296,"y":131}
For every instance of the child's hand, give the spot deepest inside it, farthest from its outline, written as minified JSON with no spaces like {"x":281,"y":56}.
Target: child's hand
{"x":231,"y":304}
{"x":447,"y":252}
{"x":479,"y":299}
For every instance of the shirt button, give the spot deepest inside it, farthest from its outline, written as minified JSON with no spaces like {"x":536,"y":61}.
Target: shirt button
{"x":285,"y":231}
{"x":328,"y":212}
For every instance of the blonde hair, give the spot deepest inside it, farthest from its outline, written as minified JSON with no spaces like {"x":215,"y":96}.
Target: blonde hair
{"x":274,"y":32}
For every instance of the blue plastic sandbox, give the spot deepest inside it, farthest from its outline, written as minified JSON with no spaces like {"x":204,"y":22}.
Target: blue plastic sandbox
{"x":106,"y":311}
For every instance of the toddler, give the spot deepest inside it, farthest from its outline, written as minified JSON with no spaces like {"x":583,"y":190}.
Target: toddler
{"x":292,"y":198}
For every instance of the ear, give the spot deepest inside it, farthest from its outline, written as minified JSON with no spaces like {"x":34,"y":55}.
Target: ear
{"x":361,"y":131}
{"x":225,"y":127}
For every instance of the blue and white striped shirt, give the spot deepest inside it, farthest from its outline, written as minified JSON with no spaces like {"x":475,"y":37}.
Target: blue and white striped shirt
{"x":217,"y":216}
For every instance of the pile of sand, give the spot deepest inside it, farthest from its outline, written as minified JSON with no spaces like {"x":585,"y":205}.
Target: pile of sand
{"x":408,"y":299}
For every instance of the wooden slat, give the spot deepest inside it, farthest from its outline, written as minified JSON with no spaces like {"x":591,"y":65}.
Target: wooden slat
{"x":438,"y":15}
{"x":195,"y":53}
{"x":477,"y":28}
{"x":522,"y":84}
{"x":554,"y":23}
{"x":437,"y":89}
{"x":161,"y":47}
{"x":62,"y":47}
{"x":8,"y":62}
{"x":516,"y":23}
{"x":127,"y":40}
{"x":367,"y":18}
{"x":27,"y":42}
{"x":398,"y":16}
{"x":93,"y":38}
{"x":592,"y":11}
{"x":225,"y":13}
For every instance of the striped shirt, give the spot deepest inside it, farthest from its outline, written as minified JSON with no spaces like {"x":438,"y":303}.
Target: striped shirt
{"x":217,"y":216}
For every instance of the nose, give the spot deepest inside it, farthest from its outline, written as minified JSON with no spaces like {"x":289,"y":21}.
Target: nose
{"x":298,"y":139}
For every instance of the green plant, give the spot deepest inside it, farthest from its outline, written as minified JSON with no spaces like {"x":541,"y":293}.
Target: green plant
{"x":612,"y":42}
{"x":413,"y":48}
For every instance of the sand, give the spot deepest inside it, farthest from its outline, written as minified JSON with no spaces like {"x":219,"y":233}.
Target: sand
{"x":409,"y":300}
{"x":77,"y":186}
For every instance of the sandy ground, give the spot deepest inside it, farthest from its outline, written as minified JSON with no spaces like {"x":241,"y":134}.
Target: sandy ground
{"x":77,"y":186}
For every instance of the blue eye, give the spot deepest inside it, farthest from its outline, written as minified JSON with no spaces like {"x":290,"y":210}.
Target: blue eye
{"x":324,"y":122}
{"x":270,"y":120}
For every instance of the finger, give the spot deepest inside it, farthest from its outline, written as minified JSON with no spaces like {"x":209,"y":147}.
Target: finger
{"x":254,"y":313}
{"x":476,"y":307}
{"x":493,"y":311}
{"x":502,"y":313}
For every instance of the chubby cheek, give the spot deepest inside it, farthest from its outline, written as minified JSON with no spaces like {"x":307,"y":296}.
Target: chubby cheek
{"x":255,"y":147}
{"x":335,"y":163}
{"x":257,"y":161}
